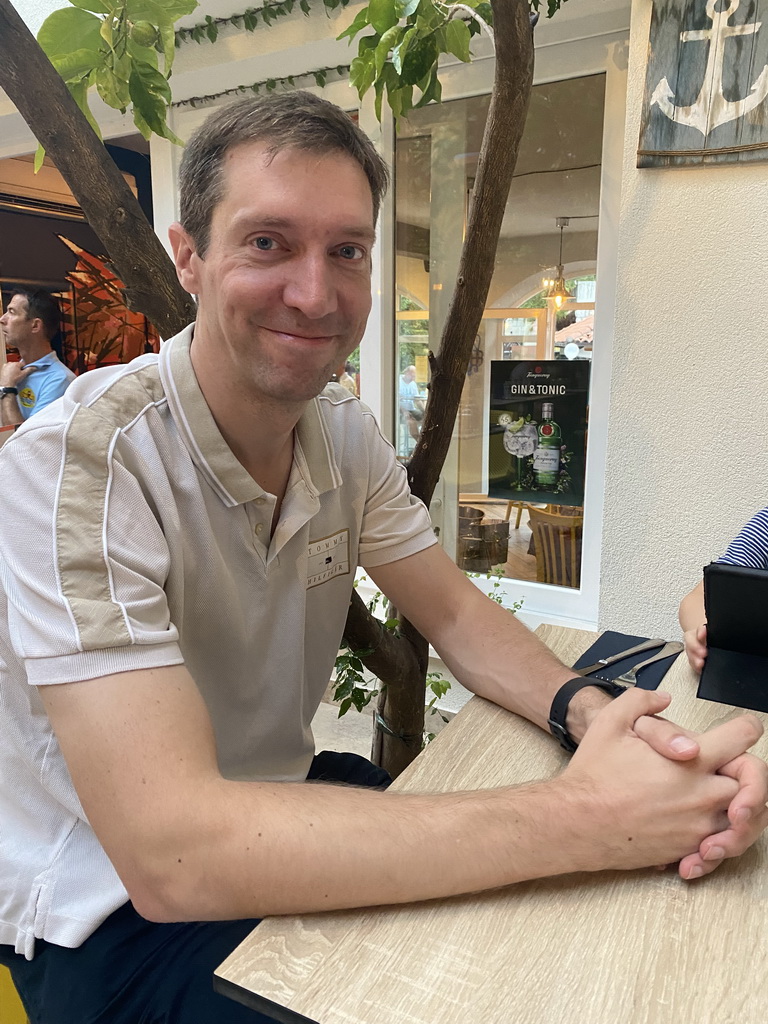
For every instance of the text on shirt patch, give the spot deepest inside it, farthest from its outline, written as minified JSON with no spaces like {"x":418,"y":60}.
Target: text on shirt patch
{"x":328,"y":557}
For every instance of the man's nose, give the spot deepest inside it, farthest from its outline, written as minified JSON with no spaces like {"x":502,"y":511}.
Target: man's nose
{"x":311,"y":287}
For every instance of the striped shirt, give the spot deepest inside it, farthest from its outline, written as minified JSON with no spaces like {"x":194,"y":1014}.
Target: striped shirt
{"x":750,"y":546}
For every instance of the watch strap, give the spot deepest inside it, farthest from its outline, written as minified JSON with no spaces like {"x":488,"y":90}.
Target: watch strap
{"x":9,"y":391}
{"x":559,"y":709}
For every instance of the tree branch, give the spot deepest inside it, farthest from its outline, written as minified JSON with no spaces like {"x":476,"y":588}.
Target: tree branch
{"x":43,"y":100}
{"x":498,"y":155}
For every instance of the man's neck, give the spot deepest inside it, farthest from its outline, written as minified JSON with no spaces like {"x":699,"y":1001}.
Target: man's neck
{"x":34,"y":350}
{"x":260,"y":433}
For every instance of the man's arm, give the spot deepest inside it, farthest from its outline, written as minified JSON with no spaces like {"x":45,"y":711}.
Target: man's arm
{"x":191,"y":845}
{"x":694,"y":625}
{"x":12,"y":375}
{"x":492,"y":653}
{"x":489,"y":650}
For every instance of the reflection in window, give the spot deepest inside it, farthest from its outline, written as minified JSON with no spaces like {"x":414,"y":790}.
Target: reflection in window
{"x":557,"y":178}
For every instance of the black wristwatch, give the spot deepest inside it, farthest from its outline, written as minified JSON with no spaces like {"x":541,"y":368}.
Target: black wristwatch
{"x":559,"y":709}
{"x":8,"y":391}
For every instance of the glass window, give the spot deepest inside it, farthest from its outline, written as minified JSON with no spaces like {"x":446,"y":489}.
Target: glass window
{"x":511,"y":494}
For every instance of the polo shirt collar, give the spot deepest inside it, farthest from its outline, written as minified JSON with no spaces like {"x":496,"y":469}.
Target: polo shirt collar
{"x":313,"y":457}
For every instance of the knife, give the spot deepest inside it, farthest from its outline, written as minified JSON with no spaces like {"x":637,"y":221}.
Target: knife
{"x":629,"y":678}
{"x":647,"y":645}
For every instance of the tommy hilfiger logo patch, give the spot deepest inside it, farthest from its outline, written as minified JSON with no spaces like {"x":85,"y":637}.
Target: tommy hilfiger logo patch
{"x":328,"y":557}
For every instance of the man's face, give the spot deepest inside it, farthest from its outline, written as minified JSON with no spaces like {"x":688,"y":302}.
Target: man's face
{"x":284,"y":290}
{"x":15,"y":322}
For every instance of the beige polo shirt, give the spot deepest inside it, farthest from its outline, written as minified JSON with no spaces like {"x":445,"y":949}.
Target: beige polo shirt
{"x":131,"y":537}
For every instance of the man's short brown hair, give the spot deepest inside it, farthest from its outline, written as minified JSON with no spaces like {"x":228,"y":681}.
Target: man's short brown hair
{"x":298,"y":120}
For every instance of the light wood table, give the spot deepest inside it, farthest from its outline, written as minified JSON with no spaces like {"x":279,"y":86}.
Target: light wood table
{"x":611,"y":948}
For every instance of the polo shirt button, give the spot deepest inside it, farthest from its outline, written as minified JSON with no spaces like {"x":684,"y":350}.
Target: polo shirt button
{"x":261,"y":500}
{"x":259,"y":528}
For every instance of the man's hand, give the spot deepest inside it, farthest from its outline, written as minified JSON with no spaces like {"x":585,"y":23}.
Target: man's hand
{"x":696,"y":646}
{"x":692,"y":809}
{"x":14,"y":374}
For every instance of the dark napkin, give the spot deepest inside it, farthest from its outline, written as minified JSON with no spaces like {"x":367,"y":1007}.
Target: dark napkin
{"x":610,"y":643}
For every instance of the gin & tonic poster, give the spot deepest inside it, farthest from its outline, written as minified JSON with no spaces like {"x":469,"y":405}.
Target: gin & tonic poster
{"x":538,"y":430}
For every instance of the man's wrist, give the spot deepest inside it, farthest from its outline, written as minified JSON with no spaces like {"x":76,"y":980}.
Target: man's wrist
{"x":574,"y":706}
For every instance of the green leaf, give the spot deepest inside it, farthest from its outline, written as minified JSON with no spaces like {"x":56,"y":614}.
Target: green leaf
{"x":399,"y":51}
{"x":152,"y":80}
{"x":390,"y":38}
{"x":420,"y":60}
{"x":304,"y":5}
{"x":112,"y":90}
{"x":457,"y":39}
{"x":361,"y":74}
{"x":409,"y":8}
{"x":428,"y":16}
{"x":150,"y":94}
{"x":106,"y":33}
{"x":92,"y":5}
{"x":345,"y":706}
{"x":79,"y":93}
{"x":68,"y":30}
{"x":382,"y":14}
{"x":158,"y":11}
{"x":360,"y":22}
{"x":148,"y":54}
{"x":141,"y":124}
{"x":39,"y":157}
{"x":73,"y":66}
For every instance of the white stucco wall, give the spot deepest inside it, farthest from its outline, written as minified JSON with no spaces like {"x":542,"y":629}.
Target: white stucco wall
{"x":687,"y":453}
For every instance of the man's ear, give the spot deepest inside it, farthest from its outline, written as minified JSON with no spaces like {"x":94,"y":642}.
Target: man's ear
{"x":185,"y":257}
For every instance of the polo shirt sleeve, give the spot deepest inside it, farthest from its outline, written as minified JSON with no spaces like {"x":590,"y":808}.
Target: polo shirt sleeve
{"x":83,"y":562}
{"x":750,"y":546}
{"x":395,"y":523}
{"x":52,"y":386}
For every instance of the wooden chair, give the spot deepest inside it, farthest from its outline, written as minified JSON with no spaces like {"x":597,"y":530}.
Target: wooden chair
{"x":558,"y":547}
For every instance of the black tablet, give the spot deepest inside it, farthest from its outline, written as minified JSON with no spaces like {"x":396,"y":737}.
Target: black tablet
{"x":736,"y":604}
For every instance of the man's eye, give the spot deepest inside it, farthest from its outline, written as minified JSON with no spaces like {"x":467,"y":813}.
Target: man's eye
{"x":264,"y":243}
{"x":351,"y":252}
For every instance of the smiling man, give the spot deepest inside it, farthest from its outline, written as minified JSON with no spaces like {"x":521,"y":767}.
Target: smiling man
{"x":192,"y":523}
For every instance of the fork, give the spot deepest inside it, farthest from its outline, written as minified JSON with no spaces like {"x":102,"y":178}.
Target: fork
{"x":629,"y":678}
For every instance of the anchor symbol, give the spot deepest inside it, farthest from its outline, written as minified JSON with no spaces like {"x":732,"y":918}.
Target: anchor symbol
{"x":711,"y":108}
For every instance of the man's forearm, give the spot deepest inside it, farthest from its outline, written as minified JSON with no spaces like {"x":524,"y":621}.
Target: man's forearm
{"x":10,"y":414}
{"x":294,"y":848}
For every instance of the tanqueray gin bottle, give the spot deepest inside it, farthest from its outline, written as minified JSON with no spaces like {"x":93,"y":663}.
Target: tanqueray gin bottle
{"x":546,"y":458}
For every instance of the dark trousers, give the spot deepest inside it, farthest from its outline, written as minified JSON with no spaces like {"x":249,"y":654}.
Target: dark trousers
{"x":131,"y":971}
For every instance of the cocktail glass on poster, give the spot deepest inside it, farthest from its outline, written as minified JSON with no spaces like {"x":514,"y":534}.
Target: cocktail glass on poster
{"x":537,"y":430}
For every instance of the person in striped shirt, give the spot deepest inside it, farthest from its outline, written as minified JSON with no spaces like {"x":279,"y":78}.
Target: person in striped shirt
{"x":750,"y":548}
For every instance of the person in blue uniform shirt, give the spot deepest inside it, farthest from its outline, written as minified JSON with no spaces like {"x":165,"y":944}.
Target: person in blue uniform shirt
{"x":39,"y":377}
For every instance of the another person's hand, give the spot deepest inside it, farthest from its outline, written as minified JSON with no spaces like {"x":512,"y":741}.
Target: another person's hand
{"x":15,"y":373}
{"x":646,"y":803}
{"x":696,"y":646}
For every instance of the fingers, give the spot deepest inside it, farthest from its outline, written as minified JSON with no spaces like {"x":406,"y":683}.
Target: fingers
{"x":666,"y":738}
{"x":747,"y":818}
{"x":696,"y":647}
{"x":728,"y":741}
{"x":624,"y":712}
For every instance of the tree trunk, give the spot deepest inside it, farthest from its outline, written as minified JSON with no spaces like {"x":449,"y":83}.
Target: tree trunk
{"x":401,"y":705}
{"x":135,"y":251}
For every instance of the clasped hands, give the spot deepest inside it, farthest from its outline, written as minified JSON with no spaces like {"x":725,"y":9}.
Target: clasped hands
{"x":669,"y":795}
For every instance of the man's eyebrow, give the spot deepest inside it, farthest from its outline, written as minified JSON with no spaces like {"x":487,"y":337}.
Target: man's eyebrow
{"x":355,"y":231}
